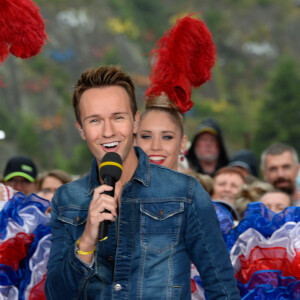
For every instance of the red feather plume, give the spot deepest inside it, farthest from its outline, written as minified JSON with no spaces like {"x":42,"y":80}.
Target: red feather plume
{"x":22,"y":29}
{"x":183,"y":59}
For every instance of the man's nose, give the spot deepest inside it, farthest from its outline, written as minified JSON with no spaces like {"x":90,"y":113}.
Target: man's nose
{"x":108,"y":129}
{"x":280,"y":172}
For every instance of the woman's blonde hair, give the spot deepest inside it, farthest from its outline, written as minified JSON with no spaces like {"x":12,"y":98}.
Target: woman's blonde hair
{"x":249,"y":193}
{"x":163,"y":103}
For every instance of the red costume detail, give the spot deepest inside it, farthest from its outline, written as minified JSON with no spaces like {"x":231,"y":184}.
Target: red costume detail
{"x":22,"y":29}
{"x":183,"y":59}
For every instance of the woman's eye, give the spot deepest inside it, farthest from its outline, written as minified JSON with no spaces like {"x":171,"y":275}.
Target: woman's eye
{"x":146,"y":137}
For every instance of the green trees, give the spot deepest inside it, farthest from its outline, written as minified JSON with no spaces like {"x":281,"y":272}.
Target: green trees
{"x":279,"y":115}
{"x":35,"y":102}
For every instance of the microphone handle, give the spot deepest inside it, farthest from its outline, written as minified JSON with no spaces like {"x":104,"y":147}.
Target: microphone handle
{"x":103,"y":230}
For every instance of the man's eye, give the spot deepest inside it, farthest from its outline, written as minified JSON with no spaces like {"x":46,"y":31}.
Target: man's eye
{"x":167,"y":137}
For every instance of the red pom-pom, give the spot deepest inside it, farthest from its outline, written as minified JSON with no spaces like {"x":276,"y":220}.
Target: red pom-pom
{"x":13,"y":250}
{"x":22,"y":29}
{"x":183,"y":59}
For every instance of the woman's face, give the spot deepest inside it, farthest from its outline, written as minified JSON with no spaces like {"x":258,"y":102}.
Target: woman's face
{"x":161,"y":138}
{"x":276,"y":201}
{"x":49,"y":186}
{"x":226,"y":185}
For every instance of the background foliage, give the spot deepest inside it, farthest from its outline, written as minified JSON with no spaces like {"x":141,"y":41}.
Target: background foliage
{"x":254,"y":92}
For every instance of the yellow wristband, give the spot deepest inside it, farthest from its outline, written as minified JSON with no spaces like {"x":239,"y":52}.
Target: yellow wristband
{"x":78,"y":251}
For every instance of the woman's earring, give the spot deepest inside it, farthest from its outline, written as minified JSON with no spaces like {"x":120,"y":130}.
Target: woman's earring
{"x":182,"y":162}
{"x":181,"y":155}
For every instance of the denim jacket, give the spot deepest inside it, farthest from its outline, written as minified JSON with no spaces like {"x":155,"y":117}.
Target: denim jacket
{"x":165,"y":221}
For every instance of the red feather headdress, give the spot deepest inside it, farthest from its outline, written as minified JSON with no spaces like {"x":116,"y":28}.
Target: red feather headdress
{"x":22,"y":29}
{"x":183,"y":59}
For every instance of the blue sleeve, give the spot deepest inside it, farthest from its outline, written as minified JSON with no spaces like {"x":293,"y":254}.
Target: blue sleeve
{"x":207,"y":248}
{"x":66,"y":274}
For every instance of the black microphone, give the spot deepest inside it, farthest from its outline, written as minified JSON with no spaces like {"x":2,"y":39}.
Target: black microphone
{"x":110,"y":172}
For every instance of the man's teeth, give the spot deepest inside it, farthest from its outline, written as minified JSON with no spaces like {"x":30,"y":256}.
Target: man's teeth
{"x":110,"y":145}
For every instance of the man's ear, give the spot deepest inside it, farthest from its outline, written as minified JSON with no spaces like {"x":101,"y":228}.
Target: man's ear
{"x":80,"y":130}
{"x":136,"y":122}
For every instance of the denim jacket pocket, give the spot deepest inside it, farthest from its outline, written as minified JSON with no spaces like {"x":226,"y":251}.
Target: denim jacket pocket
{"x":160,"y":224}
{"x":74,"y":219}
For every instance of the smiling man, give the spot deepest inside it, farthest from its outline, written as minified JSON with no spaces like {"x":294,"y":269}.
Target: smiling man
{"x":279,"y":166}
{"x":161,"y":219}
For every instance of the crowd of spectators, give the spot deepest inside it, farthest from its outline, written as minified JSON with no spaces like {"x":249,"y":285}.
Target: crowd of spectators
{"x":232,"y":183}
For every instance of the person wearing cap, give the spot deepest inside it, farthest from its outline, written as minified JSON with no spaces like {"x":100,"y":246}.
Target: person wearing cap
{"x":20,"y":173}
{"x":207,"y":153}
{"x":245,"y":160}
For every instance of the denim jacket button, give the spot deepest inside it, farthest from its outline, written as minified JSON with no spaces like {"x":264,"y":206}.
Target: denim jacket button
{"x":161,"y":212}
{"x":77,"y":219}
{"x":118,"y":287}
{"x":109,"y":258}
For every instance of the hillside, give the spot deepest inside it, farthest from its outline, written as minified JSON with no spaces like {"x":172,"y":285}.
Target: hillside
{"x":35,"y":103}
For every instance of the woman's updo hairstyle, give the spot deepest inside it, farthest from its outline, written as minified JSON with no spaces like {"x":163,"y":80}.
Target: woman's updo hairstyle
{"x":164,"y":104}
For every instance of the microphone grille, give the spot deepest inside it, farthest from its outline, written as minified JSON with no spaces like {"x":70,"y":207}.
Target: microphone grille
{"x":111,"y":165}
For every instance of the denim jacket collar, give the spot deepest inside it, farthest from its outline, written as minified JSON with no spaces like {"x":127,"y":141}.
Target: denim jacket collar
{"x":93,"y":180}
{"x":141,"y":174}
